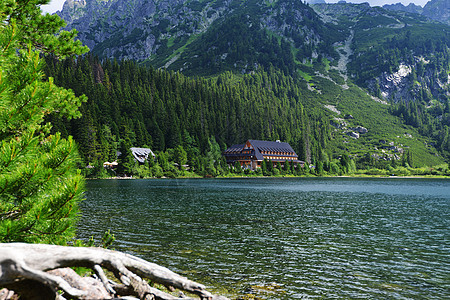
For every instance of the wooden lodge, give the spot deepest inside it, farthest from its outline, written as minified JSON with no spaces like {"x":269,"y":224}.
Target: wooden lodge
{"x":251,"y":154}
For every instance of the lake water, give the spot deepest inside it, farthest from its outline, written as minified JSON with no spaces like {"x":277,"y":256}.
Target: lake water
{"x":282,"y":238}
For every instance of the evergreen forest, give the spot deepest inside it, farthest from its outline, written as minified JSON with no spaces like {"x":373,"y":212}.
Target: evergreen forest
{"x":190,"y":121}
{"x":131,"y":105}
{"x":348,"y":86}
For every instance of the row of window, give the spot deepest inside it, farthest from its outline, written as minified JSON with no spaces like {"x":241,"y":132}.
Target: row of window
{"x":277,"y":153}
{"x":278,"y":157}
{"x":262,"y":152}
{"x":265,"y":157}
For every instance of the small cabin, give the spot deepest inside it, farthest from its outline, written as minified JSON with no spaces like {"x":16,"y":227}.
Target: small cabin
{"x":141,"y":154}
{"x":251,"y":154}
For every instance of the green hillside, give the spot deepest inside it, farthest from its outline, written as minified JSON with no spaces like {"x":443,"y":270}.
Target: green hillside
{"x":383,"y":40}
{"x":240,"y":42}
{"x":332,"y":80}
{"x":163,"y":110}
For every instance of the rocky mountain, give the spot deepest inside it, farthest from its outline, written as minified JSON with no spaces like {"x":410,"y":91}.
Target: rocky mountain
{"x":397,"y":56}
{"x":337,"y":59}
{"x":136,"y":29}
{"x":411,"y":8}
{"x":438,"y":10}
{"x":202,"y":37}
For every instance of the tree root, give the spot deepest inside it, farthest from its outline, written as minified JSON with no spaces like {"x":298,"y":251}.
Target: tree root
{"x":25,"y":268}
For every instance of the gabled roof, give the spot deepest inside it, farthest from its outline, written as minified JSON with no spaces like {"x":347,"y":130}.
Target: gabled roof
{"x":141,"y":154}
{"x":270,"y":146}
{"x":235,"y":148}
{"x":259,"y":146}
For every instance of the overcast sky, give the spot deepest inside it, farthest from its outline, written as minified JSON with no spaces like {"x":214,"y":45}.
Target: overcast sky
{"x":56,"y":5}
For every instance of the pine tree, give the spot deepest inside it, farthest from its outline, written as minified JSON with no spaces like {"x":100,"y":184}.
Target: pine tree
{"x":180,"y":156}
{"x":126,"y":160}
{"x":410,"y":158}
{"x":264,"y":167}
{"x":40,"y":187}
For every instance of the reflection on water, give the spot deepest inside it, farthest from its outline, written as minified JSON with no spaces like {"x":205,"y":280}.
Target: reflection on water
{"x":284,"y":238}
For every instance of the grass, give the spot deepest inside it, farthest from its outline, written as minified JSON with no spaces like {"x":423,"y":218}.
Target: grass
{"x":305,"y":75}
{"x":376,"y":118}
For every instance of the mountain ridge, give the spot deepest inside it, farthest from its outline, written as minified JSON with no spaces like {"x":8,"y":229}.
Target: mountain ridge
{"x":210,"y":37}
{"x":349,"y":58}
{"x":438,"y":10}
{"x":133,"y":28}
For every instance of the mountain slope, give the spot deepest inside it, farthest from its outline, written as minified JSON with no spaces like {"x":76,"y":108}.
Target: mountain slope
{"x":438,"y":10}
{"x":255,"y":34}
{"x":202,"y":36}
{"x":344,"y":58}
{"x":136,"y":29}
{"x":396,"y":55}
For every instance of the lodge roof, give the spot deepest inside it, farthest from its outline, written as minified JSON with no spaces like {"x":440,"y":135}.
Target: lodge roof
{"x":235,"y":148}
{"x":258,"y":146}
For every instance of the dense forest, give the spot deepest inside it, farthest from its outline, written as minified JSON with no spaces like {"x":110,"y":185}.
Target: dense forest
{"x":191,"y":121}
{"x":130,"y":105}
{"x":433,"y":123}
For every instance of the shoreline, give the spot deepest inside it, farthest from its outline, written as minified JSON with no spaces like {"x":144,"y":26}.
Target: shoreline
{"x":291,"y":176}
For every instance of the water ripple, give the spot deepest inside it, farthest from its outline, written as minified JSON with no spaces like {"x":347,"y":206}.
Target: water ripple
{"x":284,"y":238}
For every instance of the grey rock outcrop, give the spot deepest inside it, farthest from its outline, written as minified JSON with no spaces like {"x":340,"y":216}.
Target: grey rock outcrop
{"x":401,"y":85}
{"x":360,"y":130}
{"x":353,"y":134}
{"x":135,"y":29}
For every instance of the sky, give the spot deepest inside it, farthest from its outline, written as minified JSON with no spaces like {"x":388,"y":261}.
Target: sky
{"x":56,"y":5}
{"x":53,"y":6}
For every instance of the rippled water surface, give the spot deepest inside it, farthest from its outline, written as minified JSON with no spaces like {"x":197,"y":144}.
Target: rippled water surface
{"x":284,"y":238}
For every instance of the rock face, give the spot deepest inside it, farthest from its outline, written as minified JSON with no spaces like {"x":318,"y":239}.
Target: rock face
{"x":353,"y":134}
{"x":161,"y":30}
{"x":438,"y":10}
{"x":411,"y":8}
{"x":395,"y":85}
{"x":405,"y":84}
{"x":134,"y":29}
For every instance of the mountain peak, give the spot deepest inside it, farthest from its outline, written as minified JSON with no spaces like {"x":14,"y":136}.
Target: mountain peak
{"x":438,"y":10}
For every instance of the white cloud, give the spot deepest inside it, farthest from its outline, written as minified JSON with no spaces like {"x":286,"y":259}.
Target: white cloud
{"x":53,"y":6}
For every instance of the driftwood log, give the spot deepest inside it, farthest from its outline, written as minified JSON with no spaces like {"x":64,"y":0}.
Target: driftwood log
{"x":37,"y":271}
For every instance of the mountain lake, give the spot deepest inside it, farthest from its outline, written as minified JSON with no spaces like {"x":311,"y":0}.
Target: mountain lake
{"x":284,"y":238}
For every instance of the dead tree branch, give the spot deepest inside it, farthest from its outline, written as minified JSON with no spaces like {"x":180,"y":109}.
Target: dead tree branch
{"x":21,"y":263}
